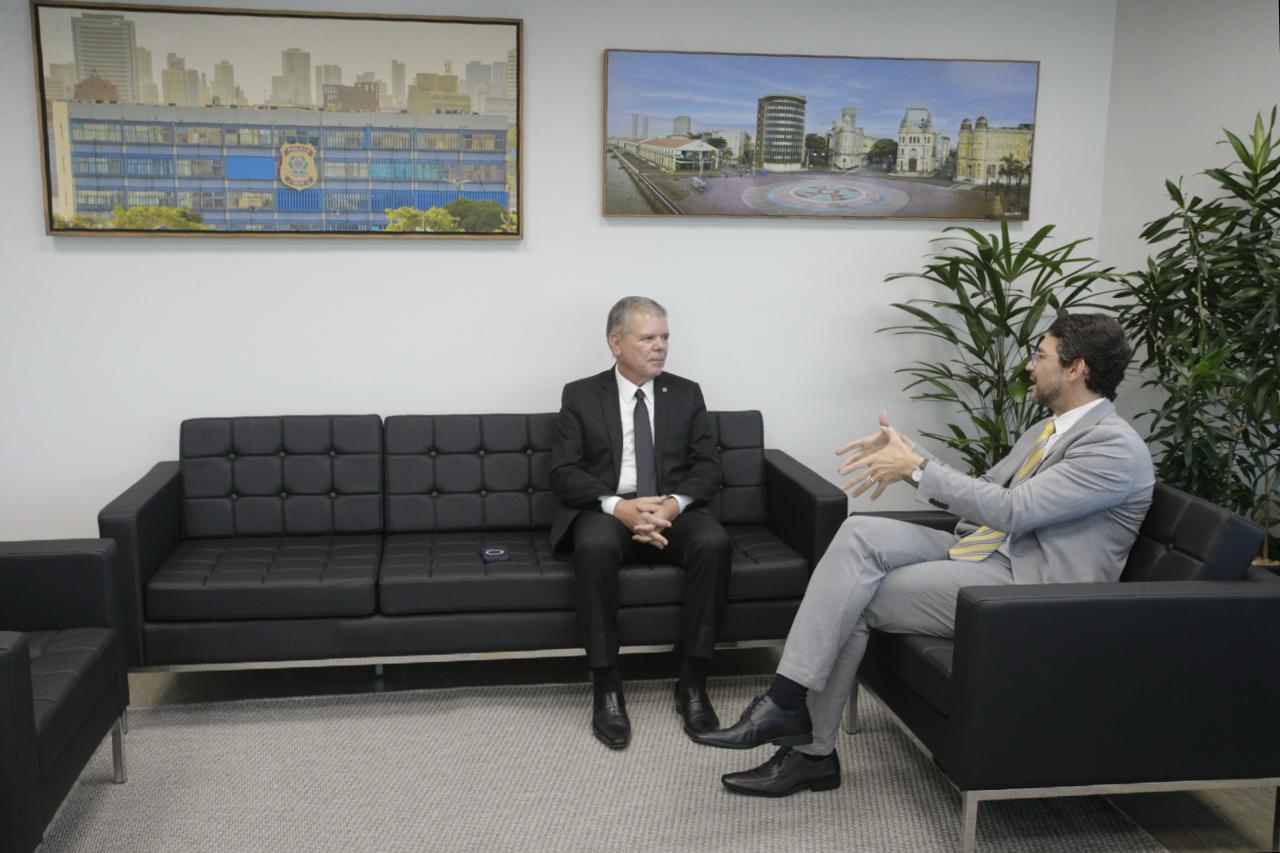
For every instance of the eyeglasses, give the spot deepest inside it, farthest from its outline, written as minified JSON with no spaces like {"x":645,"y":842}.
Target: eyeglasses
{"x":1037,"y":354}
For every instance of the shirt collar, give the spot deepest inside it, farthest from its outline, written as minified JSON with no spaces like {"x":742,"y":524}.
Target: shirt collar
{"x":1068,"y":419}
{"x":627,"y":389}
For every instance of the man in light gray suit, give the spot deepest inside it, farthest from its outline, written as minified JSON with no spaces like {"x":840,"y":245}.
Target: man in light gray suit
{"x":1064,"y":506}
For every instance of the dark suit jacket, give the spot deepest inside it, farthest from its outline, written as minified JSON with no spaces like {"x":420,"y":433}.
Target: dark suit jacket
{"x":586,"y":456}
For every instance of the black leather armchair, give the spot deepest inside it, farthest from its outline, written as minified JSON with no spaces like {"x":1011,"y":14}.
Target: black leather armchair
{"x":63,"y":681}
{"x":1165,"y":681}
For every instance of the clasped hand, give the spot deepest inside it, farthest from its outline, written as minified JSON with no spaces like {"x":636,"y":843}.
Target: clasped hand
{"x":877,"y":460}
{"x":646,"y":518}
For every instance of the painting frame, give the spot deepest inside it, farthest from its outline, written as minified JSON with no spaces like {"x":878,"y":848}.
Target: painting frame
{"x":730,"y":100}
{"x":125,"y":154}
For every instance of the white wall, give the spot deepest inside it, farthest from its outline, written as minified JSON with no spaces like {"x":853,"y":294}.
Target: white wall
{"x":1182,"y":71}
{"x":106,"y":344}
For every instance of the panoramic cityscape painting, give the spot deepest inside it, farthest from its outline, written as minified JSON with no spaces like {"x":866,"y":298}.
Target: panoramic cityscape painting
{"x":214,"y":122}
{"x":716,"y":134}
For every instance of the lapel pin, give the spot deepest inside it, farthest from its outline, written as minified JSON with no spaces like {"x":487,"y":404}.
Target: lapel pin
{"x":664,"y":389}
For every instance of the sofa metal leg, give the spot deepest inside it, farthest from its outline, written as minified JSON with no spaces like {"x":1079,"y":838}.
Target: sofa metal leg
{"x":377,"y":670}
{"x":124,"y":721}
{"x":117,"y":754}
{"x":1275,"y":824}
{"x":969,"y":829}
{"x":851,"y":711}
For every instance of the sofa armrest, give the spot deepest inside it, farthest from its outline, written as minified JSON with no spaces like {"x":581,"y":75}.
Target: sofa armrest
{"x":935,"y":518}
{"x":804,"y":509}
{"x":21,"y":809}
{"x":145,"y":523}
{"x":1074,"y":684}
{"x":56,"y":584}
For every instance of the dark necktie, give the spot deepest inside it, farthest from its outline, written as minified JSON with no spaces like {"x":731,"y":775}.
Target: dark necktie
{"x":646,"y":470}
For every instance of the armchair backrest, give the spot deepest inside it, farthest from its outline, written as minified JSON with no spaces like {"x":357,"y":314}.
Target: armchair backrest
{"x":1186,"y":538}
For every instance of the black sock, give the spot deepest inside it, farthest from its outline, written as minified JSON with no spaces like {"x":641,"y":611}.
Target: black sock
{"x":787,"y":694}
{"x":691,"y":674}
{"x":816,"y":757}
{"x":607,"y":679}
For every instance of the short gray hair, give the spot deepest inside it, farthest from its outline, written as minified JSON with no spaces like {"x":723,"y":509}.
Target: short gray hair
{"x":622,"y":311}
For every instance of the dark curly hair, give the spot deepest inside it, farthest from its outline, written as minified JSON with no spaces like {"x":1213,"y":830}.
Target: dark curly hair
{"x":1100,"y":341}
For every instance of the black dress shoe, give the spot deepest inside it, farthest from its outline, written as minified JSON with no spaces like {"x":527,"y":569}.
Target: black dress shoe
{"x":609,"y":721}
{"x":763,"y":722}
{"x":787,"y":772}
{"x":694,"y":706}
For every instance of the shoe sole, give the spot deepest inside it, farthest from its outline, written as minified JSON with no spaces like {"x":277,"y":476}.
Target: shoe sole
{"x":815,"y":786}
{"x":613,"y":746}
{"x":785,"y":740}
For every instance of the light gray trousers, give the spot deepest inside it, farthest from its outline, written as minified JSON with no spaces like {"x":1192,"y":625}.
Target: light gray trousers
{"x":877,"y":573}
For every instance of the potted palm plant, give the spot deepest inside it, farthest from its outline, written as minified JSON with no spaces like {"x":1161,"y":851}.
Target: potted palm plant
{"x":992,"y":300}
{"x":1205,"y":313}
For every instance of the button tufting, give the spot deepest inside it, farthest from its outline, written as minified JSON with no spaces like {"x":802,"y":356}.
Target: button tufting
{"x":528,"y":451}
{"x":531,"y":490}
{"x":231,"y":456}
{"x":234,"y":496}
{"x":480,"y":453}
{"x":333,"y":495}
{"x":432,"y":454}
{"x":435,"y":494}
{"x":281,"y":454}
{"x":333,"y":453}
{"x":284,"y":494}
{"x":483,"y":493}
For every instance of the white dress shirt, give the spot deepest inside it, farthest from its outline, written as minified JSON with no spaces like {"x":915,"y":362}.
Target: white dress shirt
{"x":627,"y":473}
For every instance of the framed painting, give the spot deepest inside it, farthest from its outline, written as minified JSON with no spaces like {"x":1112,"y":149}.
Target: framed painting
{"x":830,"y":137}
{"x":193,"y":121}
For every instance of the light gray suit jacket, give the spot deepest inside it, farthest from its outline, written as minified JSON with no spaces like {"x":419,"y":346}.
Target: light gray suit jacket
{"x":1076,"y":517}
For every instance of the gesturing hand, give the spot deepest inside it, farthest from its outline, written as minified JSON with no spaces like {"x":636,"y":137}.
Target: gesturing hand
{"x":877,"y":460}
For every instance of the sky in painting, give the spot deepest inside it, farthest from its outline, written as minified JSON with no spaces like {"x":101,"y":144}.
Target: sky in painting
{"x":720,"y":91}
{"x":253,"y":44}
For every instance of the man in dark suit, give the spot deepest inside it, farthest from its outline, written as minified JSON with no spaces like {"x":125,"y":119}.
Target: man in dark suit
{"x":634,"y":465}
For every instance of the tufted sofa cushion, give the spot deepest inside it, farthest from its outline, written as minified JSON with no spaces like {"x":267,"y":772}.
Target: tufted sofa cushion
{"x":65,"y":683}
{"x":266,"y":577}
{"x":469,"y":473}
{"x":740,"y":442}
{"x":444,"y":573}
{"x":277,"y":476}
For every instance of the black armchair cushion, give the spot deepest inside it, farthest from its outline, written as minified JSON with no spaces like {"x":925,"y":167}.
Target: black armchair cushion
{"x":264,"y":578}
{"x":67,"y":677}
{"x":469,"y":473}
{"x":444,"y":573}
{"x":279,"y":476}
{"x":922,"y":663}
{"x":1186,"y":538}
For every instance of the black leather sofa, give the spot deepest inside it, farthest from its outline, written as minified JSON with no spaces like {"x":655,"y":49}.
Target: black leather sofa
{"x":1165,"y":681}
{"x":275,"y":539}
{"x":63,"y":680}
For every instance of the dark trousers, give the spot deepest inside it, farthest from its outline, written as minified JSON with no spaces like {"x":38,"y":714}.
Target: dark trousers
{"x":602,"y":545}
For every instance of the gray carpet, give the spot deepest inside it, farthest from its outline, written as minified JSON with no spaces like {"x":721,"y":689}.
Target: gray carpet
{"x":516,"y":769}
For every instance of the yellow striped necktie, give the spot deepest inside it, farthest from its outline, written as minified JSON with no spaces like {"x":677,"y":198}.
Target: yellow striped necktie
{"x":983,"y":542}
